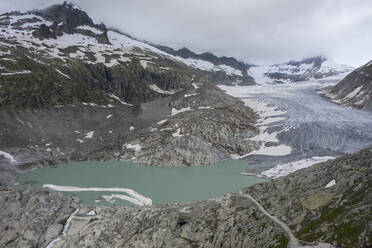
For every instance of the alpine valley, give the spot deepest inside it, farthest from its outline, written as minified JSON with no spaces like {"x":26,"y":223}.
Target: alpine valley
{"x":158,"y":147}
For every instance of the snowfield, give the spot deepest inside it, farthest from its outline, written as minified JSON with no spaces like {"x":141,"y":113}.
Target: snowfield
{"x":121,"y":45}
{"x":282,"y":170}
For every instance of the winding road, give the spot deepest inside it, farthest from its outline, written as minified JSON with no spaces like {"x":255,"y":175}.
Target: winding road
{"x":293,"y":241}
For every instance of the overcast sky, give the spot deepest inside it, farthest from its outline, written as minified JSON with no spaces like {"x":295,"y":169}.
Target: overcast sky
{"x":256,"y":31}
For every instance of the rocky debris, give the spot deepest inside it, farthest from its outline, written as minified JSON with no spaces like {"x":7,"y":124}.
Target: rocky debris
{"x":340,"y":214}
{"x":258,"y":216}
{"x":205,"y":127}
{"x":216,"y":126}
{"x":30,"y":217}
{"x":46,"y":137}
{"x":355,"y":90}
{"x":231,"y":221}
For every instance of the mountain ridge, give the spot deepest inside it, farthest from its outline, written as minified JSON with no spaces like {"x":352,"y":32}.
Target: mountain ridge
{"x":78,"y":97}
{"x":308,"y":69}
{"x":71,"y":97}
{"x":355,"y":90}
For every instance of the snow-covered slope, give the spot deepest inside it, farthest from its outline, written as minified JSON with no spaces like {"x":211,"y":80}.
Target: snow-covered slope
{"x":355,"y":90}
{"x":316,"y":68}
{"x":53,"y":29}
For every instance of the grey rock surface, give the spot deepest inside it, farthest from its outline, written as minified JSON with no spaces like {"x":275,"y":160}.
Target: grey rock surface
{"x":319,"y":216}
{"x":355,"y":90}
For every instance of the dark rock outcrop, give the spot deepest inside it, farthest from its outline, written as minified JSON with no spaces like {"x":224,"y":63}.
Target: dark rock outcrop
{"x":66,"y":18}
{"x":229,"y":61}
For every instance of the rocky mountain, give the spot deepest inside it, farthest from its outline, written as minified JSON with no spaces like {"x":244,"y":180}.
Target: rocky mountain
{"x":316,"y":68}
{"x":355,"y":90}
{"x":74,"y":90}
{"x":323,"y":206}
{"x":217,"y":61}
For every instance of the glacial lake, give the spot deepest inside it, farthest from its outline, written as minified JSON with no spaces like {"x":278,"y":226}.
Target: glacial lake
{"x":161,"y":184}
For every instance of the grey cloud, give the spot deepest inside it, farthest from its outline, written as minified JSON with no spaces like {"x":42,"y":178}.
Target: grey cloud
{"x":256,"y":31}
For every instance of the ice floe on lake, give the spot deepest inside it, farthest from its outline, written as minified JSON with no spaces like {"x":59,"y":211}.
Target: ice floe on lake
{"x":133,"y":196}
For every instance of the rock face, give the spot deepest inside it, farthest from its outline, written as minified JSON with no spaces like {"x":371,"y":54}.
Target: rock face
{"x":316,"y":68}
{"x":213,"y":127}
{"x":355,"y":90}
{"x":30,"y":218}
{"x":204,"y":126}
{"x":316,"y":211}
{"x":229,"y":61}
{"x":65,"y":95}
{"x":34,"y":218}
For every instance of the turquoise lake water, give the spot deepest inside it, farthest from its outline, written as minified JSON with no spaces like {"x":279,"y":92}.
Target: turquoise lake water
{"x":161,"y":184}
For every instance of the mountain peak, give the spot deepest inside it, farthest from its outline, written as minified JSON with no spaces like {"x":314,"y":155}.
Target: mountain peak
{"x":317,"y":61}
{"x":67,"y":13}
{"x":71,"y":5}
{"x":313,"y":68}
{"x":67,"y":18}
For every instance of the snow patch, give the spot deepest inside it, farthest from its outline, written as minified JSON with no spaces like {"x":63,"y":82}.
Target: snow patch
{"x":162,"y":122}
{"x":193,"y":94}
{"x":177,"y":133}
{"x":14,"y":73}
{"x":353,"y":93}
{"x":331,"y":184}
{"x":119,"y":100}
{"x":279,"y":150}
{"x":145,"y":63}
{"x":89,"y":135}
{"x":176,"y":111}
{"x":8,"y":156}
{"x":155,"y":88}
{"x":208,"y":66}
{"x":91,"y":213}
{"x":136,"y":148}
{"x":65,"y":229}
{"x":63,"y":74}
{"x":282,"y":170}
{"x":91,"y":29}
